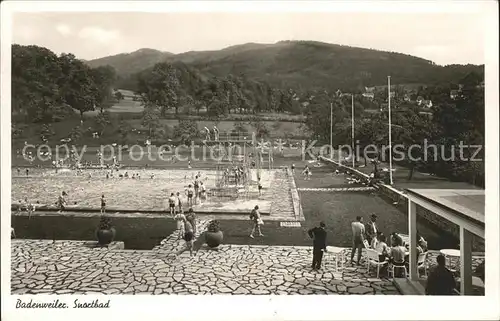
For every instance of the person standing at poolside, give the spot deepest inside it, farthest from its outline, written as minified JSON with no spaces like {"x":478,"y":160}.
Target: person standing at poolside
{"x":318,"y":234}
{"x":191,"y":217}
{"x":203,"y":193}
{"x":180,"y":219}
{"x":358,"y":230}
{"x":30,"y":207}
{"x":61,"y":201}
{"x":178,"y":201}
{"x":371,"y":228}
{"x":196,"y":184}
{"x":171,"y":204}
{"x":190,"y":194}
{"x":189,"y":235}
{"x":257,"y":221}
{"x":103,"y":204}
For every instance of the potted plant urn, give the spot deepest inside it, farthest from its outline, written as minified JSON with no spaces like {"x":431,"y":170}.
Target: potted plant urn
{"x":105,"y":232}
{"x":213,"y":234}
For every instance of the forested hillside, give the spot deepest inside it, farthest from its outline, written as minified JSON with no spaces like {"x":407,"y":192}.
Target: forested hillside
{"x":301,"y":65}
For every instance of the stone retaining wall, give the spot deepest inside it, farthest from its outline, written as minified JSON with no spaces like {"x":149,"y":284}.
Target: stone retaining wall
{"x":297,"y":206}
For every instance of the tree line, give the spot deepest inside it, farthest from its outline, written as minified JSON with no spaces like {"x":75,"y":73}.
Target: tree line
{"x":47,"y":87}
{"x":449,"y":123}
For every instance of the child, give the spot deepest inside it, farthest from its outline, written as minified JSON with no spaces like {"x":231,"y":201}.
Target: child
{"x":178,"y":202}
{"x":61,"y":202}
{"x":189,"y":165}
{"x":190,"y":193}
{"x":256,"y":220}
{"x":260,"y":188}
{"x":203,"y":192}
{"x":307,"y":173}
{"x":171,"y":204}
{"x":191,"y":218}
{"x":196,"y":186}
{"x":180,"y":219}
{"x":27,"y":172}
{"x":188,"y":235}
{"x":103,"y":204}
{"x":29,"y":207}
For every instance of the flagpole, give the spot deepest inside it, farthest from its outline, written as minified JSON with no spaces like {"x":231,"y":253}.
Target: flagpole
{"x":352,"y":130}
{"x":331,"y":131}
{"x":390,"y":129}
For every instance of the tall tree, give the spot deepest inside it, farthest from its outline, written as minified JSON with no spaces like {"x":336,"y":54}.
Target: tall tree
{"x":78,"y":87}
{"x":104,"y":78}
{"x":160,"y":87}
{"x":151,"y":119}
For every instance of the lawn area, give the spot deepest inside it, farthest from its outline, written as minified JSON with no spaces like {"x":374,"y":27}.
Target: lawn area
{"x":277,"y":129}
{"x":62,"y":129}
{"x":337,"y":210}
{"x":419,"y":179}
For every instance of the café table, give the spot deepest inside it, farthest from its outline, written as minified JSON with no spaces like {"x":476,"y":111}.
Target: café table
{"x":449,"y":253}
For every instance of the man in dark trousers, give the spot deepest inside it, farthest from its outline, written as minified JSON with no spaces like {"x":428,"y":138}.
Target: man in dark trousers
{"x":371,"y":228}
{"x":318,"y":234}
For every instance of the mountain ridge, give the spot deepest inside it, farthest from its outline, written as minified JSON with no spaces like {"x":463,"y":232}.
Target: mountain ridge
{"x":297,"y":64}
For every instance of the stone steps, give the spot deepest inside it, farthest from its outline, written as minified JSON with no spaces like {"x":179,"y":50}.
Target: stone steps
{"x":173,"y":244}
{"x":281,"y":201}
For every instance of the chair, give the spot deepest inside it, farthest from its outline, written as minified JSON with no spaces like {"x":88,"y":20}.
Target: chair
{"x":373,"y":259}
{"x":422,"y":262}
{"x":398,"y":265}
{"x":338,"y":254}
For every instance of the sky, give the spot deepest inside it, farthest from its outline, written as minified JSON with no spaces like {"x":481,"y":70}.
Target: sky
{"x":445,"y":38}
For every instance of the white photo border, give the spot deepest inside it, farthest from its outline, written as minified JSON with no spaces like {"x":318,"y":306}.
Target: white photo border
{"x":173,"y":307}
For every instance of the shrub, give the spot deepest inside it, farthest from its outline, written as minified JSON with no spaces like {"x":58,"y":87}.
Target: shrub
{"x":105,"y":223}
{"x":213,"y":226}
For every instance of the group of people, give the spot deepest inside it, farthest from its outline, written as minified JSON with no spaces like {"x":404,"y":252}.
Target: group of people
{"x":195,"y":192}
{"x":440,"y":281}
{"x":186,"y":227}
{"x":237,"y":172}
{"x":369,"y":236}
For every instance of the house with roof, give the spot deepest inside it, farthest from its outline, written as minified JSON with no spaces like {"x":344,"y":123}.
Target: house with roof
{"x":427,"y":103}
{"x":369,"y":92}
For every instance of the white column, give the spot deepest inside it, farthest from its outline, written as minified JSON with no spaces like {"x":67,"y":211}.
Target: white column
{"x":465,"y":261}
{"x":331,"y":131}
{"x":412,"y":230}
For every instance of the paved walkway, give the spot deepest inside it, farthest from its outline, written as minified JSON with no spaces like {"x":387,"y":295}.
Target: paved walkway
{"x":64,"y":267}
